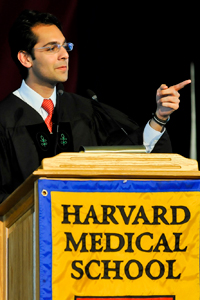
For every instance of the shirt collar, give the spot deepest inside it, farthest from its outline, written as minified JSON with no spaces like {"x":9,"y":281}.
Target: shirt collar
{"x":32,"y":98}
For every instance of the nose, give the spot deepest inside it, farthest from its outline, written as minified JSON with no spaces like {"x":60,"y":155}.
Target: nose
{"x":63,"y":54}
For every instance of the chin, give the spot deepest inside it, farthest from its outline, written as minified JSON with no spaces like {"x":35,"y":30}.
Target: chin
{"x":63,"y":79}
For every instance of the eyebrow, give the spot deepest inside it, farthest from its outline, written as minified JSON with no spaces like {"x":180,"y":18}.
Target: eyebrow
{"x":53,"y":43}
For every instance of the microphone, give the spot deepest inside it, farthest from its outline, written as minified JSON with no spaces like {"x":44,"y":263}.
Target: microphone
{"x":93,"y":96}
{"x":60,"y":89}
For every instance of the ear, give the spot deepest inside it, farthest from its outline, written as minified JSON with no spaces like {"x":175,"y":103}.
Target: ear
{"x":25,"y":59}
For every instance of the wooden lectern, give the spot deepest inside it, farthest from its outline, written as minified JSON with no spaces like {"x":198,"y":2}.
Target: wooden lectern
{"x":19,"y":262}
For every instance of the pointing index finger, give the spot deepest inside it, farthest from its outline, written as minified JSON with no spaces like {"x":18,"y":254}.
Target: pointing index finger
{"x":182,"y":84}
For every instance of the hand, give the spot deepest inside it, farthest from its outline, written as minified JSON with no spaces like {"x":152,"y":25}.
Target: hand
{"x":167,"y":99}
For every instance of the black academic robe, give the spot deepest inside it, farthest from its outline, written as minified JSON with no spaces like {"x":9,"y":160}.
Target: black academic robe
{"x":25,"y":139}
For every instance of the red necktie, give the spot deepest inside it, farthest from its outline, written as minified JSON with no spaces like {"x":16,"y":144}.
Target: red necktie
{"x":47,"y":104}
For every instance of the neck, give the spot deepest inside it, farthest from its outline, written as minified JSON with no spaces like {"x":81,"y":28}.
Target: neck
{"x":43,"y":90}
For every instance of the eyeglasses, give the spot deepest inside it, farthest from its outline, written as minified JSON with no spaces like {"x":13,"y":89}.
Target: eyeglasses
{"x":54,"y":48}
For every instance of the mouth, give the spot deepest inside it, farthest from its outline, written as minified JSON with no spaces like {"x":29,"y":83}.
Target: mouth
{"x":62,"y":68}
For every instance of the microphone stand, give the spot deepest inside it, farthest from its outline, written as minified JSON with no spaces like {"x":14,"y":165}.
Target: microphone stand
{"x":93,"y":96}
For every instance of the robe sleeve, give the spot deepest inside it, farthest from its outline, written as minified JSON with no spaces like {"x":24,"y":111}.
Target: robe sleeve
{"x":110,"y":125}
{"x":10,"y":175}
{"x":5,"y":169}
{"x":108,"y":122}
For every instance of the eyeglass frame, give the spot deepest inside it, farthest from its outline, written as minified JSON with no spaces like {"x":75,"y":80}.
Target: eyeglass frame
{"x":65,"y":44}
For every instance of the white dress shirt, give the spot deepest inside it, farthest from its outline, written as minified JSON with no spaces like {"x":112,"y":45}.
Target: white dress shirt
{"x":33,"y":99}
{"x":25,"y":93}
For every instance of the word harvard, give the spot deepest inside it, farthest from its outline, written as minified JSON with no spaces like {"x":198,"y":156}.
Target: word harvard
{"x":158,"y":215}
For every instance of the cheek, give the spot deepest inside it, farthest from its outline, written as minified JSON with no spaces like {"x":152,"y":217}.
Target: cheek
{"x":45,"y":67}
{"x":46,"y":61}
{"x":51,"y":60}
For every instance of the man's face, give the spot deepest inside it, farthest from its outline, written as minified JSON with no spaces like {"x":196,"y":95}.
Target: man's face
{"x":48,"y":68}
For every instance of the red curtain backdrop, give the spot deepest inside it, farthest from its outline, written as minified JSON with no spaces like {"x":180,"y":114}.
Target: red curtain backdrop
{"x":64,"y":10}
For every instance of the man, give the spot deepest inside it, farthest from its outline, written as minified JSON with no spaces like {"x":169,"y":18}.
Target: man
{"x":29,"y":132}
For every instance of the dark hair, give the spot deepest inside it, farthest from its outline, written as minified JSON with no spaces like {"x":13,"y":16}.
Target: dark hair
{"x":21,"y":37}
